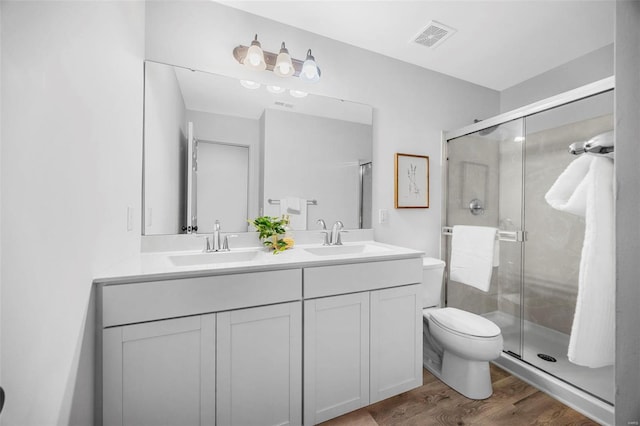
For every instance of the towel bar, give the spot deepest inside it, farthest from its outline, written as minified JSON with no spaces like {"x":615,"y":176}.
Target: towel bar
{"x":309,"y":202}
{"x":512,"y":236}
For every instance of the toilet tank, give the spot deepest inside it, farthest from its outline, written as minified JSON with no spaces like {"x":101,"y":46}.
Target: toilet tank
{"x":432,"y":272}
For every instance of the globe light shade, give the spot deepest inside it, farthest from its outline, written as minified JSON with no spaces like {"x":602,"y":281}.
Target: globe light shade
{"x":284,"y":66}
{"x":310,"y":71}
{"x":255,"y":56}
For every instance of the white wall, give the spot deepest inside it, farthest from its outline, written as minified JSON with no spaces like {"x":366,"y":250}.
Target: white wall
{"x":411,"y":105}
{"x":316,"y":158}
{"x":72,"y":76}
{"x":586,"y":69}
{"x":1,"y":95}
{"x":627,"y":115}
{"x":165,"y":152}
{"x":235,"y":131}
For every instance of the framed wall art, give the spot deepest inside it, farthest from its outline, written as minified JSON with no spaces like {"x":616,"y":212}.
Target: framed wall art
{"x":412,"y":181}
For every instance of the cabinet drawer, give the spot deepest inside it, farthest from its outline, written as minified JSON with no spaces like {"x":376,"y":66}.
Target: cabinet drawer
{"x":148,"y":301}
{"x":341,"y":279}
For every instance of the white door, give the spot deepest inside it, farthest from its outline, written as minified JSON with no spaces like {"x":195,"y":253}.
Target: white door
{"x":222,"y":186}
{"x":336,"y":356}
{"x":396,"y":341}
{"x":160,"y":373}
{"x":259,"y":370}
{"x":192,"y":166}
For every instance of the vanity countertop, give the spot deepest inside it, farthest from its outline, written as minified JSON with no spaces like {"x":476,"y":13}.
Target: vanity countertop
{"x":195,"y":263}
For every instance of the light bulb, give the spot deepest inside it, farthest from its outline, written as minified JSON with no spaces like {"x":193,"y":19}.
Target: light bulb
{"x":284,"y":68}
{"x":254,"y":59}
{"x":309,"y":71}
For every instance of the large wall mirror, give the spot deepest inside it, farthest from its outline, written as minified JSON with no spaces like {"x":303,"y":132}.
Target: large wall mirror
{"x":215,"y":149}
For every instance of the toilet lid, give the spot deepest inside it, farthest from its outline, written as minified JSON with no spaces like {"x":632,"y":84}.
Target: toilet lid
{"x":464,"y":322}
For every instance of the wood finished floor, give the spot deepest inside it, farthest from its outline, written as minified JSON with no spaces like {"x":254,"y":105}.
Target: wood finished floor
{"x":513,"y":403}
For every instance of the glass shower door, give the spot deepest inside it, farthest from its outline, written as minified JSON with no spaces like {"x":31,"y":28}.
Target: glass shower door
{"x":553,"y":249}
{"x":485,"y":188}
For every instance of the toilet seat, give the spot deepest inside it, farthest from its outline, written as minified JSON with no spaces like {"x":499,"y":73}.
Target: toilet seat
{"x":464,"y":323}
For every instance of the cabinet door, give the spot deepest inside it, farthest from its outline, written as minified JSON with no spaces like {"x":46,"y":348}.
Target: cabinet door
{"x":336,"y":356}
{"x":396,"y":341}
{"x":259,"y":369}
{"x":160,"y":373}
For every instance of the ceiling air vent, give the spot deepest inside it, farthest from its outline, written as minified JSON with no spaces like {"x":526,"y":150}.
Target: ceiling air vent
{"x":434,"y":35}
{"x":283,"y":104}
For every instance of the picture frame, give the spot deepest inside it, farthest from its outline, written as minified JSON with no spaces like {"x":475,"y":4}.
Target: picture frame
{"x":411,"y":181}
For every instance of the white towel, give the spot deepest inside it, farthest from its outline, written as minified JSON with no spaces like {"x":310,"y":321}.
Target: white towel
{"x":472,"y":255}
{"x":585,"y":188}
{"x":296,"y":209}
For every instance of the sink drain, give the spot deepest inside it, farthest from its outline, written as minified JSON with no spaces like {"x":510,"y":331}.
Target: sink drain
{"x":546,"y":357}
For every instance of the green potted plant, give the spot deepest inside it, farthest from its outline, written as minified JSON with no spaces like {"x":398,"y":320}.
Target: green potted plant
{"x":272,"y":232}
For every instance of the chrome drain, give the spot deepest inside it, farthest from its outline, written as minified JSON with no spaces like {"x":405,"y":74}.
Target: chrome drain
{"x":546,"y":357}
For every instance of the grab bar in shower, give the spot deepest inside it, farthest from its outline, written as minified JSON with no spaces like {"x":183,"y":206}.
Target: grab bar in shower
{"x":513,"y":236}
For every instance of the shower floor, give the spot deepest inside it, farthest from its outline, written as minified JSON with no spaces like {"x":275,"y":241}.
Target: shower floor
{"x":542,"y":340}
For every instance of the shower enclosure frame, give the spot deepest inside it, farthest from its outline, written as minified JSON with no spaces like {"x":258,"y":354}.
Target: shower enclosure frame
{"x":559,"y":389}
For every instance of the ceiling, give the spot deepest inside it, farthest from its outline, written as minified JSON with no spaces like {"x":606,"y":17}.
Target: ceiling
{"x":497,"y":44}
{"x":218,"y":94}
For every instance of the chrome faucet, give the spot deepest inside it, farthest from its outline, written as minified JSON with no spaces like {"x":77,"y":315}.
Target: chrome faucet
{"x":336,"y":230}
{"x":324,"y":232}
{"x":215,"y":244}
{"x":225,"y":243}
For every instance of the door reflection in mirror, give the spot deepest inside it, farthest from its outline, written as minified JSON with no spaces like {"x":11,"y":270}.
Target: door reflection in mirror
{"x":258,"y":145}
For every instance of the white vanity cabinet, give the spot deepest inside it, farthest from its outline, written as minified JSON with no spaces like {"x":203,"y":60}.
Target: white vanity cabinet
{"x":259,"y":359}
{"x":214,"y":364}
{"x":365,"y":343}
{"x":271,"y":347}
{"x":336,"y":356}
{"x":160,"y":372}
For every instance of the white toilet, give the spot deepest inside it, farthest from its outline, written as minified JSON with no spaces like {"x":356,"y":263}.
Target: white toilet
{"x":458,"y":345}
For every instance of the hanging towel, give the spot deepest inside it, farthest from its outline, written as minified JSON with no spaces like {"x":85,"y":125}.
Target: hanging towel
{"x":585,"y":189}
{"x":296,"y":209}
{"x":472,"y":255}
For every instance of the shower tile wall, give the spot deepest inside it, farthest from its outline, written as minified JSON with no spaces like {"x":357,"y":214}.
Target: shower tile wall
{"x":473,"y":173}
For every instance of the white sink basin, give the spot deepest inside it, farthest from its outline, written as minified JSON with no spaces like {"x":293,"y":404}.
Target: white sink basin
{"x":344,"y":250}
{"x":213,"y":258}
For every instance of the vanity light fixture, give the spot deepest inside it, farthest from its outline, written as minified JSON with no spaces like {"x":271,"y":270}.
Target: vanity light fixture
{"x":250,"y":84}
{"x":282,"y":64}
